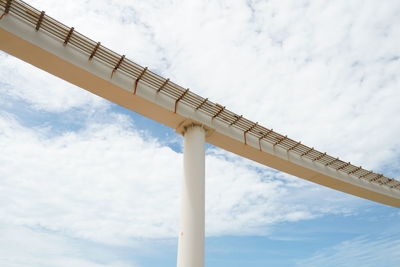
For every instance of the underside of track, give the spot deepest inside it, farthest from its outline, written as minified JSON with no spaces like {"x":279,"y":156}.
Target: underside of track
{"x":40,"y":40}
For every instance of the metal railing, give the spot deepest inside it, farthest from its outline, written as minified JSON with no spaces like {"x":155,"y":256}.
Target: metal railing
{"x":95,"y":51}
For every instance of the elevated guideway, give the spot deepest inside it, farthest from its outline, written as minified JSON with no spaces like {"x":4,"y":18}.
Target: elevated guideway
{"x":40,"y":40}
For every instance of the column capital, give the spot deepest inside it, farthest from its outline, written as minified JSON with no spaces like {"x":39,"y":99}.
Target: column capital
{"x":188,"y":123}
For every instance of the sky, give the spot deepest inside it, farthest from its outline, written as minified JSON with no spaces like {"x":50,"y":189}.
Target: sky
{"x":84,"y":182}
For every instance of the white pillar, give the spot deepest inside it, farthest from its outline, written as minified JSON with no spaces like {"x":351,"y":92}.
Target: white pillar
{"x":191,"y":236}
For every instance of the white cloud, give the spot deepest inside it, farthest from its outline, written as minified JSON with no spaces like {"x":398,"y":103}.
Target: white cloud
{"x":22,"y":246}
{"x":21,"y":81}
{"x":366,"y":251}
{"x":103,"y":176}
{"x":106,"y":183}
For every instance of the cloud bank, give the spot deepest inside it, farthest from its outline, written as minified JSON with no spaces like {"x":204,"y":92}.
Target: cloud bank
{"x":108,"y":183}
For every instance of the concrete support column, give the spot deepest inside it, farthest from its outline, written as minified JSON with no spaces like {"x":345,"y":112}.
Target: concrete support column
{"x":191,"y":236}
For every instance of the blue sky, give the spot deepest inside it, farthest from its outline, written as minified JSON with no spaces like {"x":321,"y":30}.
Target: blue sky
{"x":84,"y":182}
